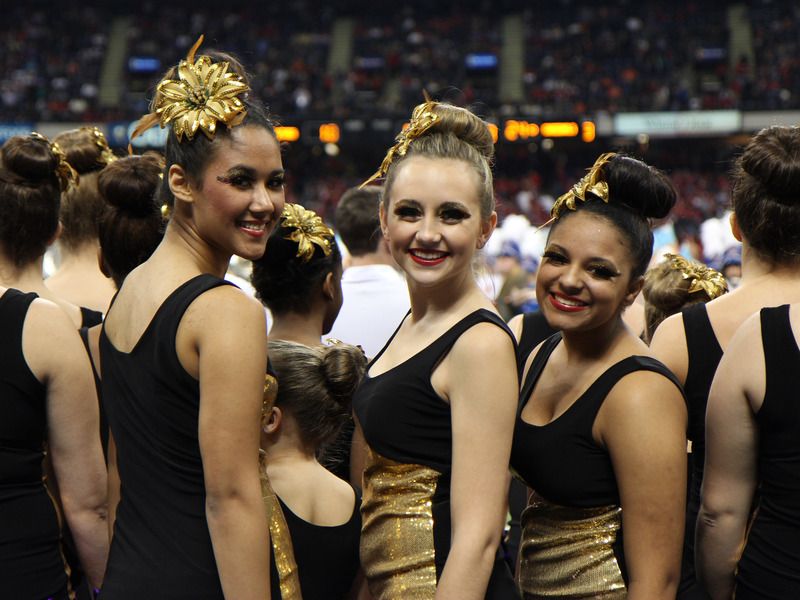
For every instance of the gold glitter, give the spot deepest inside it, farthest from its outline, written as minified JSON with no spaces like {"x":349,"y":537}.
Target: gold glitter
{"x":397,"y":551}
{"x":568,"y":552}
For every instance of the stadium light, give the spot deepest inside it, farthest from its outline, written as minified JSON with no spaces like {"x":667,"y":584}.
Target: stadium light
{"x":519,"y":130}
{"x":287,"y":134}
{"x":588,"y":131}
{"x":329,"y":133}
{"x":557,"y":129}
{"x":494,"y":130}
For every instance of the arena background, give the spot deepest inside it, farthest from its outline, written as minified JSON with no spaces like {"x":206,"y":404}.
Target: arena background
{"x":682,"y":85}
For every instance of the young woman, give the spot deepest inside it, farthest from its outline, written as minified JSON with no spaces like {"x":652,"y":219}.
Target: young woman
{"x":315,"y":388}
{"x":47,"y":396}
{"x":765,"y":219}
{"x":600,"y":435}
{"x":184,"y":354}
{"x":437,"y":422}
{"x":753,"y":443}
{"x":78,"y":280}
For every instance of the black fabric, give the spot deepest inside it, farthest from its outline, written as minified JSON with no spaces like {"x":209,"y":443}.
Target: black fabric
{"x":31,"y":566}
{"x":704,"y":354}
{"x":327,"y":557}
{"x":84,"y":332}
{"x":403,"y":419}
{"x":770,"y":564}
{"x":90,"y":318}
{"x":561,"y":460}
{"x":535,"y":330}
{"x":161,"y":546}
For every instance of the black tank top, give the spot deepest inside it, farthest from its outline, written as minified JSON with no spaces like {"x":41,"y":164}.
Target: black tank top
{"x":770,"y":564}
{"x":90,"y":318}
{"x":535,"y":330}
{"x":161,"y":546}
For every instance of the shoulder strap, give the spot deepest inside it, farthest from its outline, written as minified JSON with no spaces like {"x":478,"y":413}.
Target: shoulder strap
{"x":389,"y":341}
{"x":539,"y":361}
{"x":781,"y":354}
{"x":629,"y":365}
{"x":14,"y":306}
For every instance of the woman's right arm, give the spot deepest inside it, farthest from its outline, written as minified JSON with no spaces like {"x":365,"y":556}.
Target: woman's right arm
{"x":231,"y":363}
{"x":56,"y":355}
{"x":669,"y":346}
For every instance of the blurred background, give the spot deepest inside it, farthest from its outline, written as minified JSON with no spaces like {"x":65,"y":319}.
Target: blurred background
{"x":680,"y":84}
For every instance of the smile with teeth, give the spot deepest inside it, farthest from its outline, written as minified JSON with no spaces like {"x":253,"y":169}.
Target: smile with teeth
{"x":252,"y":226}
{"x":427,"y":257}
{"x":567,"y":304}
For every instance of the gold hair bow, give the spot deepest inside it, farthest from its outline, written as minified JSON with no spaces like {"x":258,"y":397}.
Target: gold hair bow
{"x":703,"y":278}
{"x":204,"y":94}
{"x":422,"y":119}
{"x":106,"y":155}
{"x":308,"y":230}
{"x":67,"y":176}
{"x":592,"y":182}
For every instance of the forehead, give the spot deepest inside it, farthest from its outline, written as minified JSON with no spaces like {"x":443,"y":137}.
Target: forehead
{"x":250,"y":146}
{"x":590,"y":235}
{"x":435,"y":180}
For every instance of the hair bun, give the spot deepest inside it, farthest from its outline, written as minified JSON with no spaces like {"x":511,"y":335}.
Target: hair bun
{"x":639,"y":186}
{"x":86,"y":149}
{"x":30,"y":159}
{"x":773,"y":158}
{"x":465,"y":125}
{"x":343,"y":368}
{"x":130,"y":183}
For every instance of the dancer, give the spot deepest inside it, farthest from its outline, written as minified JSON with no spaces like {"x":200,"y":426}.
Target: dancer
{"x":47,"y":395}
{"x":437,"y":422}
{"x":600,"y":431}
{"x":765,"y":217}
{"x":184,"y":354}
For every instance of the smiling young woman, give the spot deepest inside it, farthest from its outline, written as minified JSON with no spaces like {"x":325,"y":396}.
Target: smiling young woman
{"x":600,"y":434}
{"x":437,"y":423}
{"x":184,"y":355}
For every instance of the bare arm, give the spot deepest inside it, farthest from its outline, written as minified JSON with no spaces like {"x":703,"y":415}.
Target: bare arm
{"x":731,"y":456}
{"x":73,"y":427}
{"x":515,"y":324}
{"x":643,"y":424}
{"x":358,"y":455}
{"x":113,"y":485}
{"x":231,"y":362}
{"x":669,"y":346}
{"x":483,"y":406}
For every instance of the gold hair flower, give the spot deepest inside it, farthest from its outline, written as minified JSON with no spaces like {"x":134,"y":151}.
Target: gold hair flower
{"x":702,"y":278}
{"x":67,"y":176}
{"x":106,"y":155}
{"x":308,"y":230}
{"x":592,"y":182}
{"x":204,"y":94}
{"x":422,"y":119}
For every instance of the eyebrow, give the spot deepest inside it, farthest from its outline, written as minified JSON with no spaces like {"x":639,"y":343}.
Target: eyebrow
{"x":246,"y":170}
{"x":602,"y":259}
{"x":450,"y":205}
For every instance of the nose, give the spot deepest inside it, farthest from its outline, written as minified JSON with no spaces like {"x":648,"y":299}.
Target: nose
{"x":570,"y":278}
{"x":428,"y":232}
{"x":267,"y":203}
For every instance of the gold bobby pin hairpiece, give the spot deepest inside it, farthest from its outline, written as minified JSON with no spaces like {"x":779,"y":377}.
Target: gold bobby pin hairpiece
{"x":308,"y":230}
{"x":702,"y":278}
{"x":106,"y":155}
{"x":422,"y":119}
{"x":67,"y":176}
{"x":204,"y":94}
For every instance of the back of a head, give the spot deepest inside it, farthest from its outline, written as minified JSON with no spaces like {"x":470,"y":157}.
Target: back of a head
{"x":357,"y":219}
{"x":766,"y":193}
{"x":82,"y":207}
{"x":316,"y":385}
{"x":30,"y":197}
{"x":132,"y":225}
{"x":448,"y":132}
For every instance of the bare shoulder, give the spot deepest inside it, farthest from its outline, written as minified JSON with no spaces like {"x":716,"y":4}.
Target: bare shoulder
{"x":669,"y":346}
{"x":643,"y":396}
{"x":515,"y":325}
{"x":224,"y":306}
{"x":482,"y":343}
{"x":48,"y":327}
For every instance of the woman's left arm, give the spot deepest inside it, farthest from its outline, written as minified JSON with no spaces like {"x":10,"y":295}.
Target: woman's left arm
{"x":642,"y":423}
{"x":479,"y":377}
{"x":729,"y":481}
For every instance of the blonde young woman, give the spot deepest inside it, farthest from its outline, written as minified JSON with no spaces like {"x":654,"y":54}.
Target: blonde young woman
{"x":436,"y":407}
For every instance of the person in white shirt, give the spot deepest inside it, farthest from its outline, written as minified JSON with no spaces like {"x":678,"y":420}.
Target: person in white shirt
{"x":375,"y":294}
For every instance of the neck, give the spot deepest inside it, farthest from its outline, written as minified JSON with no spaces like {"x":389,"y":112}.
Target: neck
{"x":755,"y":267}
{"x":27,"y":278}
{"x":304,"y":329}
{"x":183,"y":248}
{"x":83,"y":256}
{"x":284,"y":446}
{"x":446,"y":298}
{"x":588,"y":346}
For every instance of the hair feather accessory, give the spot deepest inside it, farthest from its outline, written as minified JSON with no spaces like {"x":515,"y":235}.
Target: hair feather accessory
{"x":204,"y":94}
{"x":591,"y":183}
{"x":106,"y":155}
{"x":702,"y":278}
{"x":67,"y":176}
{"x":308,"y":231}
{"x":422,"y":119}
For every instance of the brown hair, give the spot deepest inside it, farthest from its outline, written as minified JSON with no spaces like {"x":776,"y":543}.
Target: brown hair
{"x":30,"y":196}
{"x":357,"y":219}
{"x":766,"y":193}
{"x":460,"y":135}
{"x":316,"y":385}
{"x":81,"y":205}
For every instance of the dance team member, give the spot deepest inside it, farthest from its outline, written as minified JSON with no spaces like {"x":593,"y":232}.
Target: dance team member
{"x":600,"y":435}
{"x":78,"y":279}
{"x":47,"y":395}
{"x":765,"y":218}
{"x":437,"y":422}
{"x":184,"y":354}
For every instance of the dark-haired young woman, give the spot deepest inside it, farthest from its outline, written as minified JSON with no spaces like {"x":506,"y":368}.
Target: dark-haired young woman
{"x":77,"y":279}
{"x":766,"y":218}
{"x":184,"y":354}
{"x":46,"y":395}
{"x":600,"y":430}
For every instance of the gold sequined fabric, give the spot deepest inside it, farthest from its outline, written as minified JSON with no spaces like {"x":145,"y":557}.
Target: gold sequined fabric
{"x":281,"y":539}
{"x":567,"y":552}
{"x":397,"y":551}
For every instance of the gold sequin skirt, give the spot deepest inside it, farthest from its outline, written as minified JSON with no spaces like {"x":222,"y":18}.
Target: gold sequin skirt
{"x":568,"y":552}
